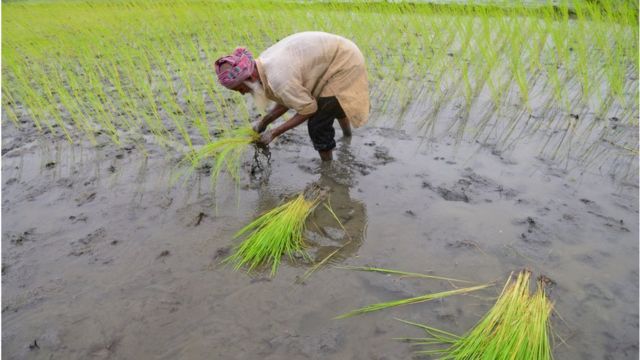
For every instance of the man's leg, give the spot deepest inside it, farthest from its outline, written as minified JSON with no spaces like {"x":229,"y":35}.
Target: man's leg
{"x":345,"y":126}
{"x":326,"y":155}
{"x":320,"y":127}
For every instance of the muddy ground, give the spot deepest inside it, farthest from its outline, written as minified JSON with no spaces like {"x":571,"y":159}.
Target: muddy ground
{"x":104,"y":258}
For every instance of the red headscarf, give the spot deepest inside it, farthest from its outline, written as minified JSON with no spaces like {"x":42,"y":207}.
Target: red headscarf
{"x":242,"y":66}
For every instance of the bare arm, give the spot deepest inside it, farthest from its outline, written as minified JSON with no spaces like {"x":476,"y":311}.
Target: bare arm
{"x":296,"y":120}
{"x":272,"y":116}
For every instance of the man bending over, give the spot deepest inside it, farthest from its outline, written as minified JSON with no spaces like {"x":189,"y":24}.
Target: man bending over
{"x":321,"y":76}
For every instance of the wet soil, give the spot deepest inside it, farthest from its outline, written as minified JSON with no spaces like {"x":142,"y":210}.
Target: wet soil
{"x":103,"y":257}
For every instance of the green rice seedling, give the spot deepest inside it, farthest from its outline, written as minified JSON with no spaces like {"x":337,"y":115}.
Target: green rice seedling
{"x":8,"y":100}
{"x":227,"y":152}
{"x":516,"y":327}
{"x":413,"y":300}
{"x":401,"y":273}
{"x":276,"y":233}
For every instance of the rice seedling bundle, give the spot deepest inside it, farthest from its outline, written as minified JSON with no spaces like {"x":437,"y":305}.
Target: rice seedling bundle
{"x":276,"y":233}
{"x":516,"y":327}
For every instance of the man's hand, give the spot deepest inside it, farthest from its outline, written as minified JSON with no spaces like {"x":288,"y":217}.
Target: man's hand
{"x":257,"y":126}
{"x":265,"y":138}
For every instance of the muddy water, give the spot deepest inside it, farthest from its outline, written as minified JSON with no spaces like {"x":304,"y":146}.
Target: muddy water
{"x":104,"y":258}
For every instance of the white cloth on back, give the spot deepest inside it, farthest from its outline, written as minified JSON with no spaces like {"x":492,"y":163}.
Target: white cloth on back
{"x":305,"y":66}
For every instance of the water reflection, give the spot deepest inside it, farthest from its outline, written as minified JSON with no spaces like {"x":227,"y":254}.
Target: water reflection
{"x":327,"y":236}
{"x":329,"y":239}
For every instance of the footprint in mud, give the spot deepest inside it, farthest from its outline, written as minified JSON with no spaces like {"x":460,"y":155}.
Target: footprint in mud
{"x":11,"y":181}
{"x":20,"y":238}
{"x":497,"y":153}
{"x":85,"y":198}
{"x":410,"y":213}
{"x":98,"y":234}
{"x":586,"y":201}
{"x":86,"y":244}
{"x":569,"y":218}
{"x":77,"y":218}
{"x":463,"y":244}
{"x":222,"y":252}
{"x":592,"y":206}
{"x":472,"y":188}
{"x":65,"y":182}
{"x":534,"y":233}
{"x":362,"y":168}
{"x":381,"y":155}
{"x":454,"y":193}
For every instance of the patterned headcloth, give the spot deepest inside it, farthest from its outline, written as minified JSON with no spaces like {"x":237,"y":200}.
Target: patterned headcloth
{"x":242,"y":66}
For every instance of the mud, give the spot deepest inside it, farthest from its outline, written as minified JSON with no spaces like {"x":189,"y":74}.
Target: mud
{"x":104,"y":257}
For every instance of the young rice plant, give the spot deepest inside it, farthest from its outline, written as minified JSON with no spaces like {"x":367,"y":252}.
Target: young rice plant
{"x":413,"y":300}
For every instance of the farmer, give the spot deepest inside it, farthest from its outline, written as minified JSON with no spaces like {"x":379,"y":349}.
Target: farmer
{"x":320,"y":76}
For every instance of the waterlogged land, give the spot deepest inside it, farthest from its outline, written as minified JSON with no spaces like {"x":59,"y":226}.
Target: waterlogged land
{"x":500,"y":139}
{"x":102,"y":258}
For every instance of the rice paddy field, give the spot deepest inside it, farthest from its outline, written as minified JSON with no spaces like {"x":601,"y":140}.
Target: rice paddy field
{"x":503,"y":136}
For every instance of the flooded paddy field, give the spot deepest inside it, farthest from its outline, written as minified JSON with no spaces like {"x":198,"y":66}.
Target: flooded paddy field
{"x":500,"y":139}
{"x":104,"y":257}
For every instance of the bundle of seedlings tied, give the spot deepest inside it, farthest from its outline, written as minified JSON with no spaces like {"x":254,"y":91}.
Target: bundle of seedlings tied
{"x":276,"y":233}
{"x":517,"y":327}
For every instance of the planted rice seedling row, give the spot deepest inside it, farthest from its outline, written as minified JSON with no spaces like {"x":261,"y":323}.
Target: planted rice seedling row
{"x":146,"y":67}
